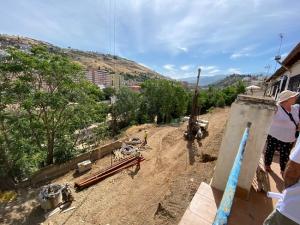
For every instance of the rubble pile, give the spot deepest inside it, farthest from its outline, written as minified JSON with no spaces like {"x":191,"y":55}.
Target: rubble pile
{"x":53,"y":195}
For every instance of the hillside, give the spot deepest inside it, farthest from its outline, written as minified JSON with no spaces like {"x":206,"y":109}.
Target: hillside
{"x":248,"y":79}
{"x":204,"y":80}
{"x":95,"y":60}
{"x":229,"y":80}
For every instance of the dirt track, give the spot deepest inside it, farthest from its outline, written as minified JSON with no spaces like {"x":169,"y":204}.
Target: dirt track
{"x":158,"y":194}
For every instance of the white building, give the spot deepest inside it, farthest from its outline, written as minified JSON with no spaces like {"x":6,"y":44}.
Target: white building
{"x":288,"y":75}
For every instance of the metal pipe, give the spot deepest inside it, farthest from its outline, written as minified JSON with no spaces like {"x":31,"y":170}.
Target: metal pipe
{"x":224,"y":209}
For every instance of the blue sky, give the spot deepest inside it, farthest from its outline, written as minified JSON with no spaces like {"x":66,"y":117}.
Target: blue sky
{"x":173,"y":37}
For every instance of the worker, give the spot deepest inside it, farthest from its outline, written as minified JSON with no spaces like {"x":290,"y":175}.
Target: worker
{"x":287,"y":210}
{"x":145,"y":137}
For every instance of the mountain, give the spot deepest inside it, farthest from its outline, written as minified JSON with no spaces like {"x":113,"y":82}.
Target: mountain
{"x":247,"y":79}
{"x":95,"y":60}
{"x":204,"y":80}
{"x":222,"y":81}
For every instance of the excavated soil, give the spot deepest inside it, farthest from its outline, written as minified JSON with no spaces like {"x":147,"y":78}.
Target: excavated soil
{"x":157,"y":194}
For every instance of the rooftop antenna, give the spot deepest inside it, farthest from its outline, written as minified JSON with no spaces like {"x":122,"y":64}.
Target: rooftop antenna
{"x":278,"y":56}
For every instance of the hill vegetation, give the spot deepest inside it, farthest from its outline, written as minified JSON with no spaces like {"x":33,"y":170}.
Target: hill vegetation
{"x":235,"y":78}
{"x":113,"y":64}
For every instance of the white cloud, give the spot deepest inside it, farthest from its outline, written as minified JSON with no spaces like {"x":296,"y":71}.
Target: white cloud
{"x":185,"y":67}
{"x":238,"y":55}
{"x":169,"y":67}
{"x":214,"y":71}
{"x":244,"y":52}
{"x":234,"y":71}
{"x":201,"y":31}
{"x":207,"y":68}
{"x":184,"y":49}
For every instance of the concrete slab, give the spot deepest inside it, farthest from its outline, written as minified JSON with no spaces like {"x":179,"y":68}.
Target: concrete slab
{"x":203,"y":207}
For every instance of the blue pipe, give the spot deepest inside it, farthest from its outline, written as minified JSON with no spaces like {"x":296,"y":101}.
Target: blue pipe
{"x":228,"y":195}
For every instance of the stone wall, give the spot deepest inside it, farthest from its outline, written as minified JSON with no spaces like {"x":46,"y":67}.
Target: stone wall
{"x":53,"y":171}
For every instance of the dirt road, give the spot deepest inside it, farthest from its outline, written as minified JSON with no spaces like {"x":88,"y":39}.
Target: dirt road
{"x":157,"y":194}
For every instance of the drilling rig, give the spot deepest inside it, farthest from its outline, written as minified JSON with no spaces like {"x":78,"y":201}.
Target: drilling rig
{"x":195,"y":128}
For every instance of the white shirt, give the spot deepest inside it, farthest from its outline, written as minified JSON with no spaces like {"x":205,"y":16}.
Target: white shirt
{"x":282,"y":128}
{"x":289,"y":204}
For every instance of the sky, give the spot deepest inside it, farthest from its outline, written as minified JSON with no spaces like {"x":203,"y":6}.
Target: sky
{"x":172,"y":37}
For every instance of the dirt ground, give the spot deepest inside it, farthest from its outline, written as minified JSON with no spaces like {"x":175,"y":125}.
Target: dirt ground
{"x":158,"y":194}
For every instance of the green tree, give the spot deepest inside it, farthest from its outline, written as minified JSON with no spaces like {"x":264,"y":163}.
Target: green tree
{"x":108,"y":92}
{"x":93,"y":91}
{"x":44,"y":99}
{"x":126,"y":108}
{"x":165,"y":99}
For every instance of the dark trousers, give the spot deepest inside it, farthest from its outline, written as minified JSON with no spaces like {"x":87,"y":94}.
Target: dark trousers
{"x":284,"y":149}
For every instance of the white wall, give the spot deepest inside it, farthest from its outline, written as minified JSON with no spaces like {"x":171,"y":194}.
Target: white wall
{"x":295,"y":69}
{"x":245,"y":109}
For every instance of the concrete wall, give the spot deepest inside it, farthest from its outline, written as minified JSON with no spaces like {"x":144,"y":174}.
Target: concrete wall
{"x":53,"y":171}
{"x":259,"y":112}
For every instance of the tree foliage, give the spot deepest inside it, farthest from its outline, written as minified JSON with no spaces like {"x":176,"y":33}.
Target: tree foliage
{"x":164,"y":99}
{"x":44,"y":99}
{"x":216,"y":97}
{"x":109,"y":92}
{"x":126,"y":108}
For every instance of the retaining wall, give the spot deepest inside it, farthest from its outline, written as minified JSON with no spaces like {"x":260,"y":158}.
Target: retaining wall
{"x":53,"y":171}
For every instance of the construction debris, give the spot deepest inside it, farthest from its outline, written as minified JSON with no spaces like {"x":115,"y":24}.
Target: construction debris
{"x":51,"y":213}
{"x":128,"y":149}
{"x":134,"y":141}
{"x":66,"y":210}
{"x":111,"y":170}
{"x":125,"y":150}
{"x":84,"y":166}
{"x":53,"y":195}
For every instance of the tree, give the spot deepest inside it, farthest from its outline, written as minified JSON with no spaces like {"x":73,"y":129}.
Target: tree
{"x":126,"y":108}
{"x":165,"y":99}
{"x":108,"y":92}
{"x":43,"y":101}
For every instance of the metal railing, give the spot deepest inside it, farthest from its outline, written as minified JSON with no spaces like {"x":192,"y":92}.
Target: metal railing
{"x":228,"y":195}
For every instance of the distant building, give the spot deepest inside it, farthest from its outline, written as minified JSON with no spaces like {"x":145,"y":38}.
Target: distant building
{"x":116,"y":81}
{"x":102,"y":78}
{"x":287,"y":76}
{"x":131,"y":83}
{"x":98,"y":77}
{"x":135,"y":88}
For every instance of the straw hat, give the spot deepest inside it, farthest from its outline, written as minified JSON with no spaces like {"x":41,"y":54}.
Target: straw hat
{"x":286,"y":95}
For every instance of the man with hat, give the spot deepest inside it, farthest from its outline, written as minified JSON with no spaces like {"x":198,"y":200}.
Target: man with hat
{"x":283,"y":130}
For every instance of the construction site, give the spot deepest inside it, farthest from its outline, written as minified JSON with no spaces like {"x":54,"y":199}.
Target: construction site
{"x":109,"y":126}
{"x":204,"y":169}
{"x":158,"y":193}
